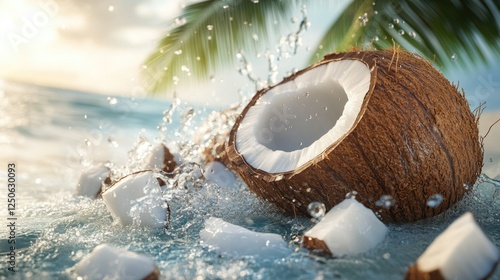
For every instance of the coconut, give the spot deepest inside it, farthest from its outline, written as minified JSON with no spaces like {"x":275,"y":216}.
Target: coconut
{"x":381,"y":123}
{"x":161,"y":158}
{"x":462,"y":251}
{"x":235,"y":240}
{"x":108,"y":262}
{"x":349,"y":228}
{"x":92,"y":180}
{"x":138,"y":198}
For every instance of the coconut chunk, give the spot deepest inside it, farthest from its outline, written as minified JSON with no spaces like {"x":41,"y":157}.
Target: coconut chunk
{"x":348,"y":228}
{"x":218,"y":173}
{"x":91,"y":180}
{"x":462,"y":251}
{"x":231,"y":239}
{"x":137,"y":197}
{"x":107,"y":262}
{"x":160,"y":158}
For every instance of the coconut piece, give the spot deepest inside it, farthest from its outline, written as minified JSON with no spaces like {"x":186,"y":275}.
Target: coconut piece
{"x":107,"y":262}
{"x":91,"y":181}
{"x":462,"y":251}
{"x":231,"y":239}
{"x":160,"y":158}
{"x":138,"y":197}
{"x":381,"y":123}
{"x":348,"y":228}
{"x":218,"y":173}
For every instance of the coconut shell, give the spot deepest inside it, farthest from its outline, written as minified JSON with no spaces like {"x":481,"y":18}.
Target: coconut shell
{"x":168,"y":160}
{"x":414,"y":137}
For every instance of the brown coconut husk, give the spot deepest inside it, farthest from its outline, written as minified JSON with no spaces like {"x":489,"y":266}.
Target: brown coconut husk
{"x":414,"y":137}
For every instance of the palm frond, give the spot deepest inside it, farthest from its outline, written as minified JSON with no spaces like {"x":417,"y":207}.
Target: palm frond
{"x":438,"y":30}
{"x":208,"y":35}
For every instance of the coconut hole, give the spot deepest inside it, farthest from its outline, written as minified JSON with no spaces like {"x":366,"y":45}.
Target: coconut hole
{"x":297,"y":119}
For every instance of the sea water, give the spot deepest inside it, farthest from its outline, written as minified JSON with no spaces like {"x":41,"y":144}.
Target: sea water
{"x":51,"y":134}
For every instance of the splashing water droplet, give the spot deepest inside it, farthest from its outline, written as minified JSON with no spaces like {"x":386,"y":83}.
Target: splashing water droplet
{"x":454,"y":56}
{"x":391,"y":26}
{"x":255,"y":1}
{"x":435,"y":200}
{"x":401,"y":32}
{"x":210,"y":27}
{"x":351,"y":194}
{"x":385,"y":201}
{"x":412,"y":34}
{"x":307,"y":94}
{"x":396,"y":20}
{"x":255,"y":37}
{"x":316,"y":209}
{"x":375,"y":38}
{"x":112,"y":100}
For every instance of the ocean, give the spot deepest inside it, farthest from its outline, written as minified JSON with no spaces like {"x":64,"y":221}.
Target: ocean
{"x":49,"y":135}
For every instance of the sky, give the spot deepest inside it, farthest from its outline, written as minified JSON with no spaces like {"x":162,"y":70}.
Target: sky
{"x":100,"y":46}
{"x":90,"y":45}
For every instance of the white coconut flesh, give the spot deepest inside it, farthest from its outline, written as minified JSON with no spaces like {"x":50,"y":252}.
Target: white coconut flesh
{"x":462,"y":251}
{"x":296,"y":121}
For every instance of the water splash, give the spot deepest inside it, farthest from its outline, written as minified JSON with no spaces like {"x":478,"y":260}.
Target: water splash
{"x":317,"y":210}
{"x":385,"y":201}
{"x":435,"y":200}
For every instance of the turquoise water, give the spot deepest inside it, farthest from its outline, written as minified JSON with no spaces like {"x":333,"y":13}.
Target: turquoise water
{"x":50,"y":134}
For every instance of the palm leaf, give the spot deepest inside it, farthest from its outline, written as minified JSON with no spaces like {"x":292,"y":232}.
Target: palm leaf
{"x":208,"y":35}
{"x":439,"y":30}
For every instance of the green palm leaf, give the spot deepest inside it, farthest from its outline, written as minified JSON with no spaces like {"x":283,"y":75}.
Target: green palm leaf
{"x":211,"y":32}
{"x":207,"y":37}
{"x":438,"y":30}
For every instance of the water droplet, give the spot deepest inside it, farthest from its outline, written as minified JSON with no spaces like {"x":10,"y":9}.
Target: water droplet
{"x":210,"y":27}
{"x":326,"y":108}
{"x":209,"y":37}
{"x":85,"y":116}
{"x":307,"y":94}
{"x":310,"y":117}
{"x":255,"y":37}
{"x":396,"y":20}
{"x":376,"y":12}
{"x":316,"y":209}
{"x":467,"y":187}
{"x":178,"y":52}
{"x":391,"y":26}
{"x":412,"y":34}
{"x":308,"y":190}
{"x":293,"y":20}
{"x":112,"y":100}
{"x":386,"y":256}
{"x":453,"y":56}
{"x":375,"y":38}
{"x":225,"y":6}
{"x":38,"y":180}
{"x":351,"y":194}
{"x":401,"y":32}
{"x":255,"y":1}
{"x":385,"y":201}
{"x":435,"y":200}
{"x":300,"y":144}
